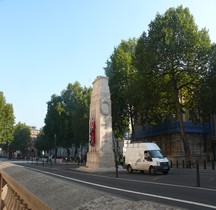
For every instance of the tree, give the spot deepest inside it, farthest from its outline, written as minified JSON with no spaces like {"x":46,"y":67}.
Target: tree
{"x":122,"y":77}
{"x":6,"y":121}
{"x":67,"y":118}
{"x":205,"y":97}
{"x":77,"y":102}
{"x":40,"y":143}
{"x":22,"y":138}
{"x":55,"y":121}
{"x":211,"y":79}
{"x":177,"y":54}
{"x":148,"y":89}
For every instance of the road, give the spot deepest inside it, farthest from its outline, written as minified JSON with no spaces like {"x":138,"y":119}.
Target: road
{"x":178,"y":188}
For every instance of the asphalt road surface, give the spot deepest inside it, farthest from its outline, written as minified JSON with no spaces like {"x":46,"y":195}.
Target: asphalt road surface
{"x":178,"y":188}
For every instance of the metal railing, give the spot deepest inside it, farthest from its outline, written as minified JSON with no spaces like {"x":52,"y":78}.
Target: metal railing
{"x":16,"y":197}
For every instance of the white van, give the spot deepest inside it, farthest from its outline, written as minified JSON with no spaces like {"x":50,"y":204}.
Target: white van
{"x":145,"y":157}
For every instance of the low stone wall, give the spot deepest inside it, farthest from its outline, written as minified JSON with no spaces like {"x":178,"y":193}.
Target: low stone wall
{"x":15,"y":196}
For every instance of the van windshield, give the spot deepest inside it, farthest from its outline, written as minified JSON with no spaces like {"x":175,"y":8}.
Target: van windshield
{"x":156,"y":154}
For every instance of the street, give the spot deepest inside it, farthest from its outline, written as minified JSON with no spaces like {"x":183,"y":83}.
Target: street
{"x":178,"y":188}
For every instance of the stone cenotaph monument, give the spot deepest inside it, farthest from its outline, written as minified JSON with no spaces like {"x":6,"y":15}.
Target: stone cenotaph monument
{"x":100,"y":154}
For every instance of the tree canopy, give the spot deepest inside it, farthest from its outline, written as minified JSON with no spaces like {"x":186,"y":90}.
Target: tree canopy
{"x":6,"y":121}
{"x":162,"y":75}
{"x":67,"y":118}
{"x":122,"y":77}
{"x":178,"y":52}
{"x":22,"y":138}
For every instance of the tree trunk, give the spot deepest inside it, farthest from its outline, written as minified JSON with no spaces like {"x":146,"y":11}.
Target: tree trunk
{"x":68,"y":153}
{"x":56,"y":152}
{"x":132,"y":125}
{"x":183,"y":136}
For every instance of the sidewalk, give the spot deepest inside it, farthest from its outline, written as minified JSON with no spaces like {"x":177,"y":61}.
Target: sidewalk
{"x":81,"y":168}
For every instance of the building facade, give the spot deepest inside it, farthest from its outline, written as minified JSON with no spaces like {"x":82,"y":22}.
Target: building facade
{"x":201,"y":138}
{"x":34,"y":134}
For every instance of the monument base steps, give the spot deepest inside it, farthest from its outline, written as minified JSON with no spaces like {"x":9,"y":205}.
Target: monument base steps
{"x":100,"y":160}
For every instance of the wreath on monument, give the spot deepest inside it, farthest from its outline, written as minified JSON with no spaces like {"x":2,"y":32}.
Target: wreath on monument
{"x":93,"y":133}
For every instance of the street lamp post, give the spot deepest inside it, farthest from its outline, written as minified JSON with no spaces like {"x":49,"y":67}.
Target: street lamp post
{"x":55,"y":148}
{"x":8,"y":149}
{"x":115,"y":150}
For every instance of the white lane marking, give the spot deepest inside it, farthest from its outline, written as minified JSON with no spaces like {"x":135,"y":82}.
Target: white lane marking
{"x":170,"y":185}
{"x":155,"y":183}
{"x":130,"y":191}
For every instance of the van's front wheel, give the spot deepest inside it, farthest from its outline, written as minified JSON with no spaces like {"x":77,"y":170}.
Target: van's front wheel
{"x":152,"y":170}
{"x":129,"y":169}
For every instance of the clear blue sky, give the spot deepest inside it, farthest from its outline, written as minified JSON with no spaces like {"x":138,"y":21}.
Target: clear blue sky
{"x":46,"y":44}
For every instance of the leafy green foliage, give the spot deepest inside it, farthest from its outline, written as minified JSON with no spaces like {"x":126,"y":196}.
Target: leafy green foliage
{"x":178,"y":51}
{"x":41,"y":143}
{"x":6,"y":121}
{"x":77,"y":102}
{"x":122,"y":74}
{"x":148,"y":85}
{"x":67,"y":119}
{"x":206,"y":97}
{"x":177,"y":54}
{"x":22,"y":138}
{"x":212,"y":79}
{"x":54,"y":122}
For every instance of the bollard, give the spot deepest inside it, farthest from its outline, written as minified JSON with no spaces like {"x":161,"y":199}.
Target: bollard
{"x":116,"y":166}
{"x":197,"y":175}
{"x":176,"y":163}
{"x":171,"y":164}
{"x":204,"y":164}
{"x":213,"y":167}
{"x":189,"y":164}
{"x":183,"y":163}
{"x":42,"y":162}
{"x":116,"y":163}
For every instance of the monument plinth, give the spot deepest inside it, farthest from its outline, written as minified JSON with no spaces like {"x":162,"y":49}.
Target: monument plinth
{"x":100,"y":154}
